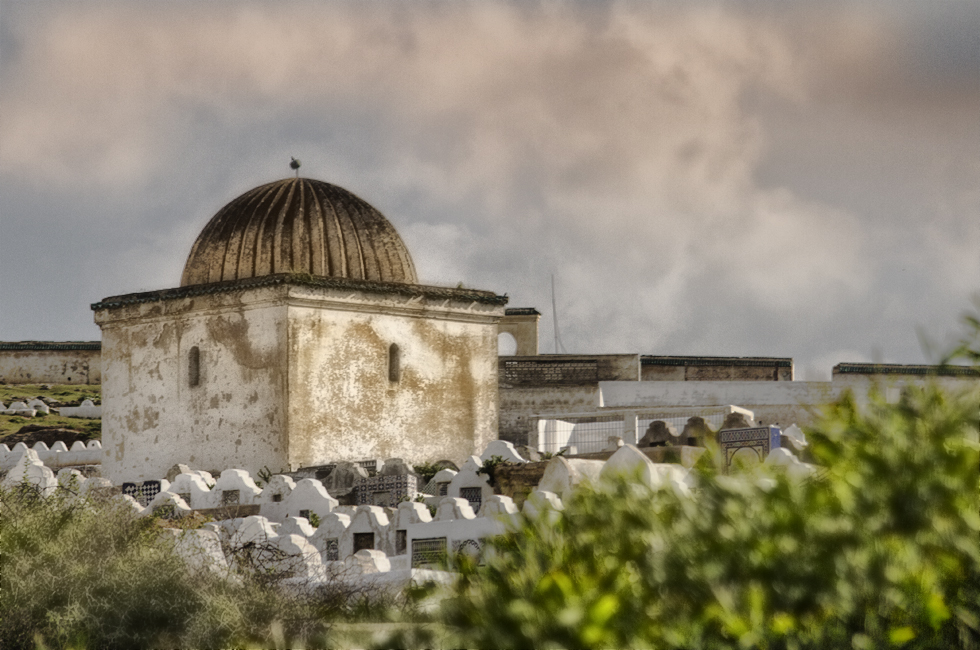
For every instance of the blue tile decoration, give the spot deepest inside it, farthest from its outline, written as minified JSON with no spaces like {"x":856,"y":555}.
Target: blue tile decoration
{"x":761,"y":440}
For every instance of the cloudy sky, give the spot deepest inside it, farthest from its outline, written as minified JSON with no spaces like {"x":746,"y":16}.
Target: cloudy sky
{"x":741,"y":178}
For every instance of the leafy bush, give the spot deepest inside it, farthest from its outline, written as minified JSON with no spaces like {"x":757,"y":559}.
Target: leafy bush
{"x":489,"y":468}
{"x":83,"y":575}
{"x":425,"y":471}
{"x":880,"y":550}
{"x":88,"y":573}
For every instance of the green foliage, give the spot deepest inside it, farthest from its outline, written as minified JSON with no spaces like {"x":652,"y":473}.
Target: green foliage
{"x":489,"y":468}
{"x":88,"y":429}
{"x":264,"y":476}
{"x":420,"y":498}
{"x":84,"y":576}
{"x":425,"y":471}
{"x":64,"y":394}
{"x":548,"y":455}
{"x":314,"y":520}
{"x":968,"y":349}
{"x":88,"y":574}
{"x":878,"y":550}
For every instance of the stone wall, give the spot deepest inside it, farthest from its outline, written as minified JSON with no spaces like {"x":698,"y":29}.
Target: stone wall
{"x":522,"y":324}
{"x":862,"y":374}
{"x":345,"y":403}
{"x":664,"y":368}
{"x":780,"y":403}
{"x":554,"y":383}
{"x":231,"y":415}
{"x":51,"y":362}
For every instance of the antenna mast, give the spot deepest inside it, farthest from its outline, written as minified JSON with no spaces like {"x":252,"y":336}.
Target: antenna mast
{"x":554,"y":318}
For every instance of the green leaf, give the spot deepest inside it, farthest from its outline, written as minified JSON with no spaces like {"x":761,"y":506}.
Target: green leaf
{"x":901,"y":635}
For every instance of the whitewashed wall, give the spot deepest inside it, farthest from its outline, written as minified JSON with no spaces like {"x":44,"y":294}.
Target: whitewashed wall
{"x":56,"y":456}
{"x":342,"y":404}
{"x":152,"y":418}
{"x":294,"y":376}
{"x":51,"y":366}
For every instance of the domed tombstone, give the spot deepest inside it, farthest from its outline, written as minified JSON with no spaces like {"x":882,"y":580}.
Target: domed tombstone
{"x":396,"y":467}
{"x":344,"y":476}
{"x":659,"y":434}
{"x":735,"y":421}
{"x":299,"y":336}
{"x":696,"y":432}
{"x":177,"y":470}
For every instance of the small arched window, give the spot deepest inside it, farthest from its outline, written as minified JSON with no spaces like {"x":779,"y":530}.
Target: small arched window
{"x":394,"y":363}
{"x":194,"y":366}
{"x":506,"y":345}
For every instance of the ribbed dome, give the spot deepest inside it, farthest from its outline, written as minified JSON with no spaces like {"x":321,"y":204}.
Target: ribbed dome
{"x":298,"y":225}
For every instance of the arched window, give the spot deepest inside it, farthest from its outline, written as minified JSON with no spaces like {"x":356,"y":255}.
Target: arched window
{"x":506,"y":344}
{"x":194,"y":366}
{"x":394,"y":363}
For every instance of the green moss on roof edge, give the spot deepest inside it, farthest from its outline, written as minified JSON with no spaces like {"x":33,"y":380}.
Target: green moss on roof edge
{"x":302,"y":279}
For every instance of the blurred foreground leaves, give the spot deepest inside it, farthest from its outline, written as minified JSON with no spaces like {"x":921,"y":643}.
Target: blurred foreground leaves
{"x":880,"y":549}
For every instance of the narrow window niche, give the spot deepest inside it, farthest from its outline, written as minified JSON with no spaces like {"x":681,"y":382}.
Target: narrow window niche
{"x":394,"y":363}
{"x":194,"y":366}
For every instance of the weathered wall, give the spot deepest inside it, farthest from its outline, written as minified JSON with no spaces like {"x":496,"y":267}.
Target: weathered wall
{"x":567,"y":369}
{"x":519,"y":404}
{"x":295,"y":375}
{"x":522,"y":324}
{"x":890,"y":374}
{"x":44,"y":362}
{"x":344,"y":406}
{"x":555,"y":383}
{"x":781,"y":403}
{"x":665,"y":368}
{"x":236,"y":415}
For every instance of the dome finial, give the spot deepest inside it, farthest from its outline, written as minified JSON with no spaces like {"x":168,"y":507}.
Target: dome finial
{"x":294,"y":164}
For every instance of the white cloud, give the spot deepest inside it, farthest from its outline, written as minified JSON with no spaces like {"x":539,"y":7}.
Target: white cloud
{"x":619,"y":145}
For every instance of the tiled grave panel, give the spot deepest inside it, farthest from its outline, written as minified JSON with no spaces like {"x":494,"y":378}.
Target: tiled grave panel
{"x":761,"y":440}
{"x":428,"y":551}
{"x":385,"y":490}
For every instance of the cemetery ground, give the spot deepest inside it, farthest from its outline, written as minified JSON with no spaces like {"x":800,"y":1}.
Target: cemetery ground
{"x":51,"y":427}
{"x":879,"y":549}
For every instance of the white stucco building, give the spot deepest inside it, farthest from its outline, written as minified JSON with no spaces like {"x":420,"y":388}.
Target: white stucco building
{"x":299,"y":336}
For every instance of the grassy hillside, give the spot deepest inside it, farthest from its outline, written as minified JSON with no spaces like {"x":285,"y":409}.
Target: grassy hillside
{"x":52,"y":427}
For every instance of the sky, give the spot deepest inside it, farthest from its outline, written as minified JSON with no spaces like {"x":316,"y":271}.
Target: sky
{"x":791,"y":179}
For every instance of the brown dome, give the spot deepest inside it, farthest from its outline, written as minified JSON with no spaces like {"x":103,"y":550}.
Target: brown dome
{"x":298,"y":225}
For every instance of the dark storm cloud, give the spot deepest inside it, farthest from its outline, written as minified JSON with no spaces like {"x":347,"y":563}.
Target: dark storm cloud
{"x":790,"y":180}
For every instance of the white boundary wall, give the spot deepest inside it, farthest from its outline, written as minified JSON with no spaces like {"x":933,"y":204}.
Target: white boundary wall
{"x":57,"y":456}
